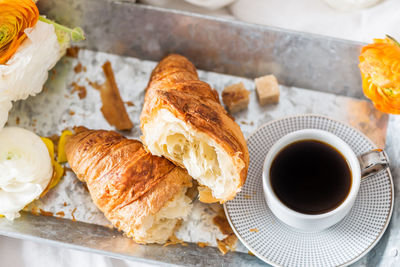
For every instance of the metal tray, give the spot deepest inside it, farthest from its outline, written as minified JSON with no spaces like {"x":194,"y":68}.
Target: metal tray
{"x":298,"y":60}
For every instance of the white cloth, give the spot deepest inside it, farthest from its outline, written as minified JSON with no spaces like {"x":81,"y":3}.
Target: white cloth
{"x":316,"y":16}
{"x":302,"y":15}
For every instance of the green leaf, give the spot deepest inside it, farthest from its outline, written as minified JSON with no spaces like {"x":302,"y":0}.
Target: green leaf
{"x":394,"y":40}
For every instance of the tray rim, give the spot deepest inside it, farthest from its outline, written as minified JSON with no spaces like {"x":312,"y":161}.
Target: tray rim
{"x":373,"y":244}
{"x":240,"y":22}
{"x":66,"y":245}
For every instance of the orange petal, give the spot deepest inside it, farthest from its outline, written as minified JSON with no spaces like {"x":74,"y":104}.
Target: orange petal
{"x":380,"y":71}
{"x":15,"y":17}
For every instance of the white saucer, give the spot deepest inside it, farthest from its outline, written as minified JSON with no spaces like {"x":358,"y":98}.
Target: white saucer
{"x":276,"y":243}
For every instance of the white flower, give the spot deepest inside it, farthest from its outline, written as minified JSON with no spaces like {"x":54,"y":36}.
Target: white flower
{"x":5,"y":106}
{"x":27,"y":70}
{"x":25,"y":169}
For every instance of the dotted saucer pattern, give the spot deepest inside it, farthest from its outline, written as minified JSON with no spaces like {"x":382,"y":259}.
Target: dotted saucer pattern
{"x":278,"y":244}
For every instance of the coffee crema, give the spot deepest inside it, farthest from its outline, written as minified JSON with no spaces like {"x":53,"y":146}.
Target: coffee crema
{"x":310,"y":177}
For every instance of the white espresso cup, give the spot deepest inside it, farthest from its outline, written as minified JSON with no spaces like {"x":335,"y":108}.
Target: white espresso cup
{"x":362,"y":166}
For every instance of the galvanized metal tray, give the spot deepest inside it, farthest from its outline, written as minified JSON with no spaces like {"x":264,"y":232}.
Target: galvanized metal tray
{"x":119,"y":30}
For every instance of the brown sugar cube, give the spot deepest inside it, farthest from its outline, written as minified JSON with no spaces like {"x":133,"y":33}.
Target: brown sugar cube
{"x":235,"y":97}
{"x":267,"y":89}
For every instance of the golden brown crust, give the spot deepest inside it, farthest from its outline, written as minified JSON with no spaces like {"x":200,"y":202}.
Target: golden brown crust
{"x":125,"y":181}
{"x":174,"y":85}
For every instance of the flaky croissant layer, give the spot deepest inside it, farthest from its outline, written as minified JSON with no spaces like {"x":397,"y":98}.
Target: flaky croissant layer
{"x":183,"y":120}
{"x":204,"y":159}
{"x":141,"y":194}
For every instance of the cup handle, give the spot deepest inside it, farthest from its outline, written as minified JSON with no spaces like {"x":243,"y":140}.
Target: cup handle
{"x":373,"y":162}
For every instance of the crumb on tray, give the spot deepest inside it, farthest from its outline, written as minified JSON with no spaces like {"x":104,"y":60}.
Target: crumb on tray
{"x":267,"y":89}
{"x":34,"y":210}
{"x":73,"y":215}
{"x":235,"y":97}
{"x":113,"y":107}
{"x":202,"y":244}
{"x":45,"y":213}
{"x":80,"y":89}
{"x":173,"y":240}
{"x":254,"y":230}
{"x":60,"y":214}
{"x":78,"y":68}
{"x":73,"y":51}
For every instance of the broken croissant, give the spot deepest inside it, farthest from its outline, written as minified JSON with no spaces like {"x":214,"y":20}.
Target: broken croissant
{"x":183,"y":120}
{"x":141,"y":194}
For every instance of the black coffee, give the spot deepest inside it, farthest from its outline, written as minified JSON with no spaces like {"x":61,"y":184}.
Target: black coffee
{"x":310,"y":177}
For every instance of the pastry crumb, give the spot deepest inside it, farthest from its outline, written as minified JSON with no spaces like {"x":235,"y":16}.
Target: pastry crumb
{"x":235,"y":97}
{"x":173,"y":240}
{"x":72,"y":214}
{"x":247,"y":197}
{"x":60,"y":214}
{"x":34,"y":210}
{"x":73,"y":51}
{"x":254,"y":230}
{"x":250,"y":253}
{"x":113,"y":108}
{"x":202,"y":244}
{"x":45,"y":213}
{"x":78,"y":68}
{"x":80,"y":89}
{"x":267,"y":89}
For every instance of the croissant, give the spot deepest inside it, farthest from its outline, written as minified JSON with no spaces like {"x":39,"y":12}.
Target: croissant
{"x":183,"y":120}
{"x":141,"y":194}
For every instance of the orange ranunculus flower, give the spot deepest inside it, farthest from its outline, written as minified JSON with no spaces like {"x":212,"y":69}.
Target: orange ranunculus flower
{"x":15,"y":17}
{"x":380,"y":72}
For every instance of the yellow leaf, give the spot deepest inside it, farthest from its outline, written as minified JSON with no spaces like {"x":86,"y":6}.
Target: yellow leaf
{"x":50,"y":146}
{"x":62,"y":157}
{"x":58,"y":170}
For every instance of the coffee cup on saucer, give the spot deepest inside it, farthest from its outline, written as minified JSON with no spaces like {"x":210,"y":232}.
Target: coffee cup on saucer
{"x":311,"y":178}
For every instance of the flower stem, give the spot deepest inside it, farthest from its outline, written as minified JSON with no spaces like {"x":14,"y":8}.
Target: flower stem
{"x":394,"y":40}
{"x":76,"y":34}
